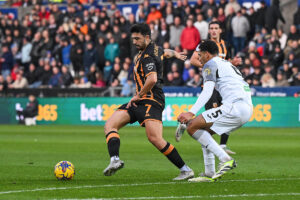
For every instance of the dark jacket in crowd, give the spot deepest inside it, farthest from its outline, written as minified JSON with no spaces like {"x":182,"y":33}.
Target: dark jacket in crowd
{"x":8,"y":62}
{"x":273,"y":13}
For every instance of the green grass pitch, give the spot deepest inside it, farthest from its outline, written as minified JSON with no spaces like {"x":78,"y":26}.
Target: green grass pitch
{"x":268,"y":165}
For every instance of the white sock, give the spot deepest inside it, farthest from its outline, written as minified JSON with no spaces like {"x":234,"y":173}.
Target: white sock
{"x":114,"y":158}
{"x":185,"y":168}
{"x":223,"y":146}
{"x":204,"y":138}
{"x":209,"y":162}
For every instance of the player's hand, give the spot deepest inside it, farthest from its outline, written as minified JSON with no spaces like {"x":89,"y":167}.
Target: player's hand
{"x":180,"y":55}
{"x":237,"y":61}
{"x":185,"y":117}
{"x":132,"y":101}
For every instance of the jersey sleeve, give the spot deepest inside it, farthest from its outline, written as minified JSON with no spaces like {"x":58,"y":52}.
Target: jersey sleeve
{"x":148,"y":66}
{"x":209,"y":71}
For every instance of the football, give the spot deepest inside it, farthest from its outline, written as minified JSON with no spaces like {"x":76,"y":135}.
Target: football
{"x":64,"y":170}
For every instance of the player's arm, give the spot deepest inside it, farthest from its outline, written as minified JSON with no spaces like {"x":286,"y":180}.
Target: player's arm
{"x":203,"y":98}
{"x":149,"y":84}
{"x":195,"y":60}
{"x":169,"y":53}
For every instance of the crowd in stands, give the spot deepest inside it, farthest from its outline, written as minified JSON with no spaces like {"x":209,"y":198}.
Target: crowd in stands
{"x":82,"y":47}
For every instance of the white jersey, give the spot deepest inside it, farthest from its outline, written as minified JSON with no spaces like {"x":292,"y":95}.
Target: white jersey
{"x":228,"y":79}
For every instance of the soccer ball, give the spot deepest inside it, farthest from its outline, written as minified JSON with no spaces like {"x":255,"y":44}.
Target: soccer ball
{"x":64,"y":170}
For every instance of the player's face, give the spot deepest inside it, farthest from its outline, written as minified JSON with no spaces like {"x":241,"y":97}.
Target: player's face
{"x":138,"y":40}
{"x":214,"y":31}
{"x":203,"y":57}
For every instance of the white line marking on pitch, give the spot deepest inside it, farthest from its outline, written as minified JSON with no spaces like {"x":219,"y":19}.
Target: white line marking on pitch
{"x":137,"y":184}
{"x":196,"y":196}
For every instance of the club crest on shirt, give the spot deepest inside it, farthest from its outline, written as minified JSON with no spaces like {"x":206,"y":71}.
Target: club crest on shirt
{"x":150,"y":66}
{"x":207,"y":71}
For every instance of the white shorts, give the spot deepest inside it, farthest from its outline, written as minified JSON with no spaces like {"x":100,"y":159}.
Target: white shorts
{"x":227,"y":118}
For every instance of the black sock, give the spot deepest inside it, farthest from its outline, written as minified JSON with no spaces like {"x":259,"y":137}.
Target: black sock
{"x":170,"y":151}
{"x":113,"y":143}
{"x":224,"y":139}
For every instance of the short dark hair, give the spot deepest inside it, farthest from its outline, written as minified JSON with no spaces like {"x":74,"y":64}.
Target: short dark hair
{"x":141,"y":28}
{"x":215,"y":22}
{"x":209,"y":46}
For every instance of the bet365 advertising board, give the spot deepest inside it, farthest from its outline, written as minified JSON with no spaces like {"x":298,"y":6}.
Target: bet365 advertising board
{"x":268,"y":111}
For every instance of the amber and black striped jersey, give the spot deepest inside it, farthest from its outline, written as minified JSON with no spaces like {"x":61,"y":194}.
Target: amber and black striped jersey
{"x":147,"y":62}
{"x":224,"y":53}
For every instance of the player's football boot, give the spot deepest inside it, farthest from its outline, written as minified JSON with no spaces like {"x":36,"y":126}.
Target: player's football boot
{"x":113,"y":166}
{"x":179,"y":131}
{"x":228,"y":151}
{"x":202,"y":178}
{"x":224,"y":168}
{"x":184,"y":175}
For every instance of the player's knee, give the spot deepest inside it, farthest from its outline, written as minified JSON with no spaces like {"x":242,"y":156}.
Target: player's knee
{"x":154,"y":139}
{"x":108,"y":127}
{"x":190,"y":129}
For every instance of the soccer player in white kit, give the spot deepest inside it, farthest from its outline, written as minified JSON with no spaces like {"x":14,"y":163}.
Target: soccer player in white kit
{"x":235,"y":111}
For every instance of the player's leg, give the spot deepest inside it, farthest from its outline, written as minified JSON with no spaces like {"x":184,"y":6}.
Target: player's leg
{"x":223,"y":143}
{"x":119,"y":119}
{"x":199,"y":129}
{"x":154,"y":133}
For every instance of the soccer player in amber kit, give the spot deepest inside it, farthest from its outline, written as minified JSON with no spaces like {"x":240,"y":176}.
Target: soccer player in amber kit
{"x":146,"y":106}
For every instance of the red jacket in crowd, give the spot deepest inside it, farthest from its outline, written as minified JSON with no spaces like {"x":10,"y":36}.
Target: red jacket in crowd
{"x":189,"y":38}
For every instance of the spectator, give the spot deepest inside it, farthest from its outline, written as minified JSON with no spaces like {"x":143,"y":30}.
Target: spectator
{"x":240,"y":27}
{"x":46,"y":75}
{"x":293,"y":34}
{"x":202,"y":27}
{"x":267,"y":80}
{"x":293,"y":79}
{"x":125,"y":47}
{"x":232,"y":4}
{"x":169,"y":15}
{"x":76,"y":55}
{"x":286,"y":70}
{"x":25,"y":53}
{"x":277,"y":57}
{"x":296,"y":19}
{"x":92,"y":74}
{"x":6,"y":61}
{"x":273,"y":13}
{"x":195,"y":82}
{"x":111,"y":50}
{"x":190,"y":37}
{"x":210,"y":5}
{"x":282,"y":38}
{"x":99,"y":80}
{"x":123,"y":75}
{"x":154,"y":31}
{"x":66,"y":77}
{"x":140,"y":15}
{"x":296,"y":80}
{"x":31,"y":75}
{"x":281,"y":80}
{"x":55,"y":79}
{"x":89,"y":57}
{"x":163,"y":35}
{"x":66,"y":53}
{"x":260,"y":16}
{"x":170,"y":78}
{"x":153,"y":15}
{"x":175,"y":32}
{"x":20,"y":82}
{"x":3,"y":84}
{"x":186,"y":71}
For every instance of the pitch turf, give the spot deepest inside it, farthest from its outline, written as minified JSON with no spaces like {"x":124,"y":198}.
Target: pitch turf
{"x":268,"y":165}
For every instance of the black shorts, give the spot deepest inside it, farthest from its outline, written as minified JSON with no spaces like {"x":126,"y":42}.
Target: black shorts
{"x":145,"y":110}
{"x":214,"y":101}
